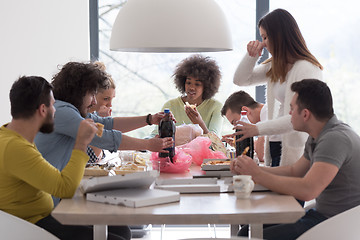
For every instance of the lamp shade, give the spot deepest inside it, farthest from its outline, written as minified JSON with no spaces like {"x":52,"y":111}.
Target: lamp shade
{"x":170,"y":26}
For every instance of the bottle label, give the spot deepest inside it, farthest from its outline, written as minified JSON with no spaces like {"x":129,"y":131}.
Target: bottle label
{"x":247,"y":142}
{"x":167,"y":129}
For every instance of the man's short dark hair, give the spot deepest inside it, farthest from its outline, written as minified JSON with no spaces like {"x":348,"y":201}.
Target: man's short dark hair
{"x":315,"y":96}
{"x":236,"y":101}
{"x":27,"y":94}
{"x":76,"y":79}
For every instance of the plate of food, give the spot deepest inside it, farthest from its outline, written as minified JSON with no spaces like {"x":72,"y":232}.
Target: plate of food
{"x":96,"y":170}
{"x":129,"y":167}
{"x":216,"y":165}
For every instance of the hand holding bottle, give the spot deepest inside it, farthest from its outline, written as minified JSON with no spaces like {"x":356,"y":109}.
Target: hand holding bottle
{"x":246,"y":130}
{"x":158,"y":144}
{"x":156,"y":118}
{"x":245,"y":146}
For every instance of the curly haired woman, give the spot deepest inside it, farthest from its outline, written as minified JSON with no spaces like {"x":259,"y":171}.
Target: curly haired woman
{"x":198,"y":79}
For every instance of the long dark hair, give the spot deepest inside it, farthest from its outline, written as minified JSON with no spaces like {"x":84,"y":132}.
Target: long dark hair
{"x":286,"y":43}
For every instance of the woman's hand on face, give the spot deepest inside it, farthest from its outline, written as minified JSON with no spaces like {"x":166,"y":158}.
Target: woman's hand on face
{"x":255,"y":48}
{"x":104,"y":111}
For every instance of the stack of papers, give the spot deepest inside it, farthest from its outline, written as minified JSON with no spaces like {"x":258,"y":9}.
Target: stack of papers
{"x":191,"y":185}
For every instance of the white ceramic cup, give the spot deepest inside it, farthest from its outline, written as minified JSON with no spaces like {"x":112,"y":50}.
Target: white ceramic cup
{"x":243,"y":185}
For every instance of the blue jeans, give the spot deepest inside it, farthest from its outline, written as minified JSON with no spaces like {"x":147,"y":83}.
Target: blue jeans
{"x":275,"y":153}
{"x":288,"y":231}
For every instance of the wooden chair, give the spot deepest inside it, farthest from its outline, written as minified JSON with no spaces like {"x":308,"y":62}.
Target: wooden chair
{"x":342,"y":226}
{"x":14,"y":228}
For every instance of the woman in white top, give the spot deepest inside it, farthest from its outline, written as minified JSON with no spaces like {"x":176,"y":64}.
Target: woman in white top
{"x":291,"y":61}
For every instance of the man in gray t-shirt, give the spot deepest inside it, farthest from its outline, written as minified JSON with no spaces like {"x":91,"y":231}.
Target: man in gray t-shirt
{"x":328,"y":170}
{"x":339,"y":145}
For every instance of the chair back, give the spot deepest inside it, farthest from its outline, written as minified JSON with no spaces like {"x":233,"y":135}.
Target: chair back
{"x":14,"y":228}
{"x":342,"y":226}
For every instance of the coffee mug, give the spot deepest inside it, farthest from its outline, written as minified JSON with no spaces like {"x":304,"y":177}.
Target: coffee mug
{"x":243,"y":185}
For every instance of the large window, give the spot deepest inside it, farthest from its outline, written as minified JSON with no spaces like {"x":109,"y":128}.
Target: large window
{"x":330,"y":29}
{"x":144,"y":80}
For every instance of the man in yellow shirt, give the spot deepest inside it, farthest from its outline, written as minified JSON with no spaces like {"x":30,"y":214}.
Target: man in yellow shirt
{"x":27,"y":180}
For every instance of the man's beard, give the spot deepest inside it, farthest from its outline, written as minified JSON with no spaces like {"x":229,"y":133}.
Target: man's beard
{"x":85,"y":111}
{"x":83,"y":114}
{"x":48,"y":126}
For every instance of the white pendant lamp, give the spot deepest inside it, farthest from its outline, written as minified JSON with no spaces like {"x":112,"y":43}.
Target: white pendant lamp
{"x":171,"y":26}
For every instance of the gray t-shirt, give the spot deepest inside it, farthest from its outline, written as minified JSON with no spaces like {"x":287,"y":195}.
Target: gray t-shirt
{"x":337,"y":144}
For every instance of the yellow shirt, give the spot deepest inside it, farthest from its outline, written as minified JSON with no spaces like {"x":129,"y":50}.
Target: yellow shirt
{"x":27,"y":180}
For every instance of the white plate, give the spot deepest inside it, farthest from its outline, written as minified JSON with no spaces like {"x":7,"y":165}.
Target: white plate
{"x":217,"y":167}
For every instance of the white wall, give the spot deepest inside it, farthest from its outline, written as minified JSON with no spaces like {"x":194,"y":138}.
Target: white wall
{"x":37,"y":36}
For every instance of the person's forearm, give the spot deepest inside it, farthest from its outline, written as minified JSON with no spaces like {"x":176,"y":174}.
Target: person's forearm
{"x":130,"y":143}
{"x":281,"y":171}
{"x":276,"y":126}
{"x":71,"y":175}
{"x":97,"y":151}
{"x":294,"y":186}
{"x":204,"y":128}
{"x":127,"y":124}
{"x":259,"y":148}
{"x":80,"y":145}
{"x":298,"y":169}
{"x":247,"y":74}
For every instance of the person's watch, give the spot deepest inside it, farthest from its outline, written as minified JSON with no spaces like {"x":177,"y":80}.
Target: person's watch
{"x":148,"y":119}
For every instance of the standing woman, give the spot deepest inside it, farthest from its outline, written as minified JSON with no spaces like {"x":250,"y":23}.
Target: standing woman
{"x":198,"y":79}
{"x":290,"y":61}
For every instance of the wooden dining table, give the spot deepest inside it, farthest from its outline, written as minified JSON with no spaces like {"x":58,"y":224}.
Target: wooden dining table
{"x":196,"y":208}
